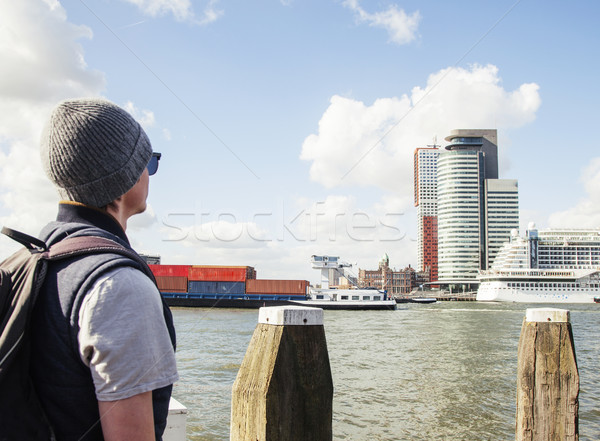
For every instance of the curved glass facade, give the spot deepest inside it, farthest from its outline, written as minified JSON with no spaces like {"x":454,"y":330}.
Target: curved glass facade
{"x":460,"y":215}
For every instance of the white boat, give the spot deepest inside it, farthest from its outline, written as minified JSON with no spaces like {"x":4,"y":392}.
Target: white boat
{"x":424,"y":300}
{"x":363,"y":299}
{"x":547,"y":266}
{"x":334,"y":298}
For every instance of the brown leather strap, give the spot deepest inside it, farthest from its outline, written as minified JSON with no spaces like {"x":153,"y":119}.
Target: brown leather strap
{"x":76,"y":246}
{"x":82,"y":245}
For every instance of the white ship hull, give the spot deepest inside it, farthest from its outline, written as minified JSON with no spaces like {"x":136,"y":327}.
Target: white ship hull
{"x":501,"y":292}
{"x":349,"y":304}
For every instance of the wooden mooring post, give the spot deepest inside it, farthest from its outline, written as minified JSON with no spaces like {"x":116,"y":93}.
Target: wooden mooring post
{"x":284,"y":390}
{"x":547,"y":378}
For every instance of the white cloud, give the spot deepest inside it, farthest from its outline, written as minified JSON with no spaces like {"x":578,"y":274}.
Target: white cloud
{"x":142,"y":221}
{"x":143,"y":116}
{"x":401,"y":27}
{"x":586,"y":212}
{"x":182,"y":10}
{"x":211,"y":13}
{"x":36,"y":38}
{"x":349,"y":134}
{"x":42,"y":63}
{"x":364,"y":145}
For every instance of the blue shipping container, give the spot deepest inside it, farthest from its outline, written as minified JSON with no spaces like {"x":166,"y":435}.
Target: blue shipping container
{"x":209,"y":287}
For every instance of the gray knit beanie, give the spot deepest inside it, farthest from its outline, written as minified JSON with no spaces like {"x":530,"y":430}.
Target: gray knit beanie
{"x":93,"y":151}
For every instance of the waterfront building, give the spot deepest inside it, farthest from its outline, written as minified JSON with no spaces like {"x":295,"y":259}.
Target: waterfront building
{"x":395,"y":282}
{"x":476,"y":211}
{"x":425,"y":194}
{"x":502,"y":214}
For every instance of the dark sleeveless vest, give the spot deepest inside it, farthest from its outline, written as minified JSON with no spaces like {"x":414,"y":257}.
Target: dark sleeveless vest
{"x":62,"y":381}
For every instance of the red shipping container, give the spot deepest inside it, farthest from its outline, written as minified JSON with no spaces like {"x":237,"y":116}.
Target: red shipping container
{"x":172,"y":284}
{"x":170,"y":270}
{"x":221,"y":273}
{"x":265,"y":286}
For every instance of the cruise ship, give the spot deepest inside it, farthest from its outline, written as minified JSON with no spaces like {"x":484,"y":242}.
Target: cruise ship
{"x":547,"y":266}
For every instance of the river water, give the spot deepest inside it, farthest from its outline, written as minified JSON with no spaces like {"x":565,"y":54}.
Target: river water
{"x":445,"y":371}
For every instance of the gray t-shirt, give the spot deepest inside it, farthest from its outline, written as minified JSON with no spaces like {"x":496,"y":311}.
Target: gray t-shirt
{"x":123,"y":337}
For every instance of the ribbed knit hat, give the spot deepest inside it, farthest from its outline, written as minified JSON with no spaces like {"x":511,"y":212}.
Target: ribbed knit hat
{"x":93,"y":150}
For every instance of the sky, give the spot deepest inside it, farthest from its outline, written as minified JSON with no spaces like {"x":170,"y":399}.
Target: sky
{"x":287,"y":128}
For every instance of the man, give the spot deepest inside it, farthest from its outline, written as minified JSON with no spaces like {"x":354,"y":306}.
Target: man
{"x":103,"y":360}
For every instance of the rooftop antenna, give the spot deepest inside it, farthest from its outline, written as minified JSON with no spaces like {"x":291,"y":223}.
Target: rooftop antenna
{"x":435,"y":144}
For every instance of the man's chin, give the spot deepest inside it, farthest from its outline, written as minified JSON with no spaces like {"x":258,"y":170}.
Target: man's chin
{"x":142,"y":209}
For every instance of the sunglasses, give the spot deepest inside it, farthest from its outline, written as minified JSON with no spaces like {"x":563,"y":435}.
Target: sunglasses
{"x":153,"y":164}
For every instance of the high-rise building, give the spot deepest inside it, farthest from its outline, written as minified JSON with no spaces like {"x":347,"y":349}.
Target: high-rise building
{"x":502,"y":208}
{"x":460,"y":214}
{"x":425,"y":186}
{"x":465,"y":213}
{"x":476,"y":210}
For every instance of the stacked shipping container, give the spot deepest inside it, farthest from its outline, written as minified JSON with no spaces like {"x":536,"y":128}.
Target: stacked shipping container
{"x":219,"y":280}
{"x":221,"y":273}
{"x":231,"y":282}
{"x":216,"y":287}
{"x":171,"y":278}
{"x":283,"y":287}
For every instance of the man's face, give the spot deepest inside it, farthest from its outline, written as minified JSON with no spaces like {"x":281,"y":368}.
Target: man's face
{"x":135,"y":199}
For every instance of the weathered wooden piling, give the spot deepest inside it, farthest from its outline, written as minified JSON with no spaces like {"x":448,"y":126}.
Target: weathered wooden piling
{"x":283,"y":390}
{"x":547,"y":378}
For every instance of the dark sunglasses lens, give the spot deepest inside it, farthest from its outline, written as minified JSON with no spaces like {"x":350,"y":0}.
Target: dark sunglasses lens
{"x":152,"y":165}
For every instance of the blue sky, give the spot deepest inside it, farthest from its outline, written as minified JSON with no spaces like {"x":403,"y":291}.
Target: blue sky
{"x":288,"y":127}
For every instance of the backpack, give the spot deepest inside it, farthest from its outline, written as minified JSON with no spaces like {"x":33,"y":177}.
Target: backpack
{"x":21,"y":277}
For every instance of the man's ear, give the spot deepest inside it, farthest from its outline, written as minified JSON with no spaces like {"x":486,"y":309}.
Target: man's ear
{"x":114,"y":204}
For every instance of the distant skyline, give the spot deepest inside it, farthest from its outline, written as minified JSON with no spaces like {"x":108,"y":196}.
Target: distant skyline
{"x":289,"y":129}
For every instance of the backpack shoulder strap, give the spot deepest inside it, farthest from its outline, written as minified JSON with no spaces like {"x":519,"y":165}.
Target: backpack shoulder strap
{"x":76,"y":246}
{"x":82,"y":245}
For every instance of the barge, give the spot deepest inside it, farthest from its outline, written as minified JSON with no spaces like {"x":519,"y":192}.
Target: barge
{"x":210,"y":286}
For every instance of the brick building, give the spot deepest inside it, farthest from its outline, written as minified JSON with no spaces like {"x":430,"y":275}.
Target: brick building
{"x":396,"y":283}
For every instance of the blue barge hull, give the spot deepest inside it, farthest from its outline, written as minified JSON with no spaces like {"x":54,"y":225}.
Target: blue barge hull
{"x":249,"y":301}
{"x":198,"y":300}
